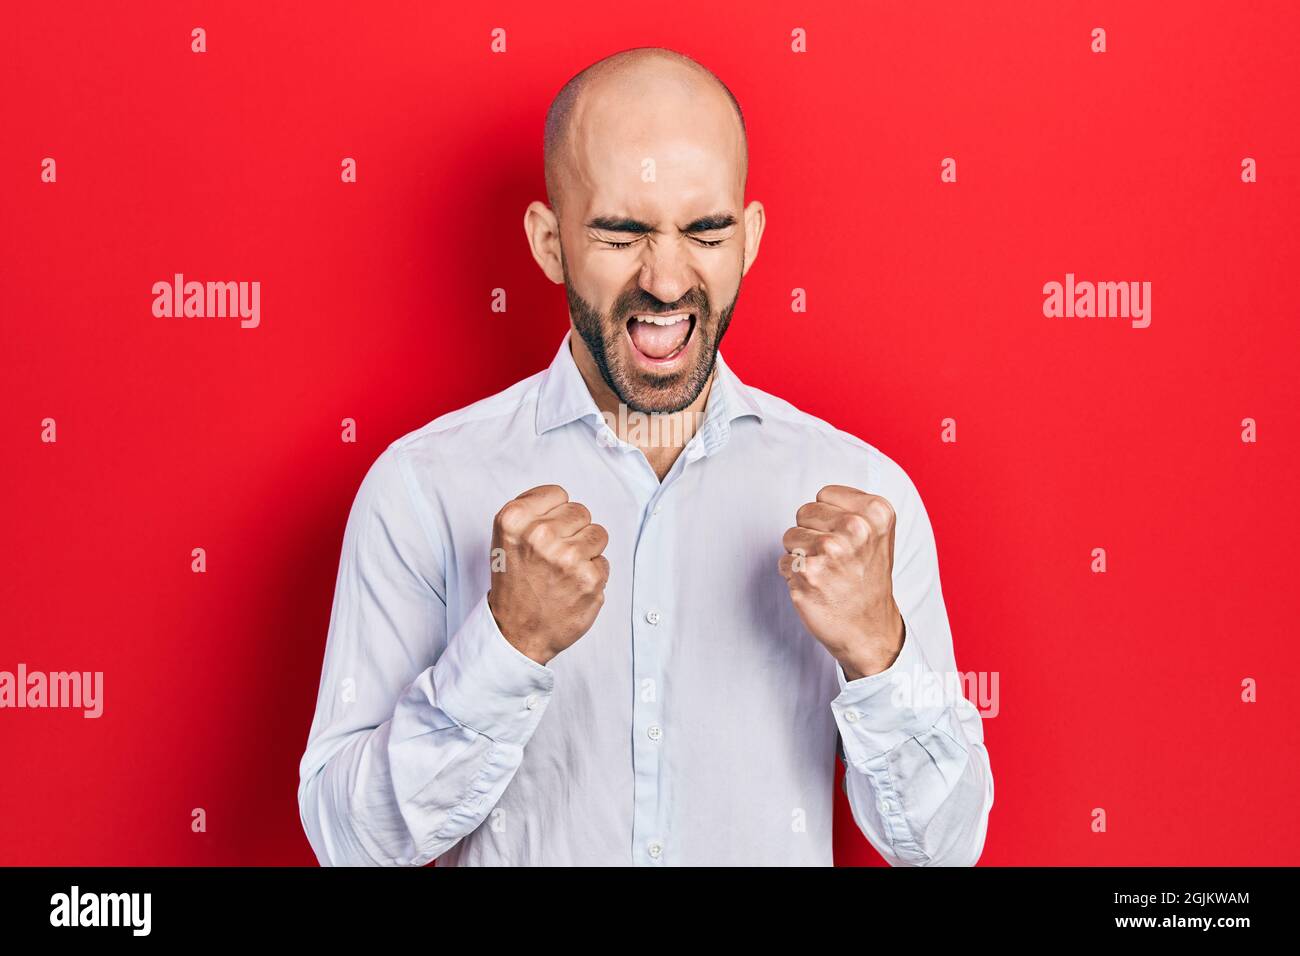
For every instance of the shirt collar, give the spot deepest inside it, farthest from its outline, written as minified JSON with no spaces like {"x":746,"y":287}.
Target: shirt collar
{"x":563,"y":397}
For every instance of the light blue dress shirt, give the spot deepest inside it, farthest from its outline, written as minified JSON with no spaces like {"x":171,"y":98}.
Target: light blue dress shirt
{"x":696,"y":723}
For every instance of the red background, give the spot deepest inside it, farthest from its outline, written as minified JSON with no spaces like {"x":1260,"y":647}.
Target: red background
{"x":1118,"y":690}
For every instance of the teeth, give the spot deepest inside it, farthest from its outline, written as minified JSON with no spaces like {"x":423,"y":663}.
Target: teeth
{"x":661,"y":319}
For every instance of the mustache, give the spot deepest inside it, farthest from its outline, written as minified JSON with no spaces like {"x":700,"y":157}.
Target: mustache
{"x":641,"y":306}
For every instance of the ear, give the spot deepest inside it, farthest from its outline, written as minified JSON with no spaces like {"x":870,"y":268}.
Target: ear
{"x":755,"y":220}
{"x":543,"y":231}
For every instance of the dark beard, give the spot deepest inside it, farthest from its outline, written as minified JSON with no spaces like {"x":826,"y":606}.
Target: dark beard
{"x":639,"y":391}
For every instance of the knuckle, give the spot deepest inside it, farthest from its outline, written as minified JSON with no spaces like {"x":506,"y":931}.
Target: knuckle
{"x":512,"y":517}
{"x":880,"y":512}
{"x":591,"y":579}
{"x":834,"y":546}
{"x":538,"y":535}
{"x":856,"y":526}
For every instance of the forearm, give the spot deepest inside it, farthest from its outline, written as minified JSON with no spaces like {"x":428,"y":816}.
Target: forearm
{"x":925,"y":802}
{"x":348,"y":808}
{"x":916,"y":770}
{"x":405,"y":791}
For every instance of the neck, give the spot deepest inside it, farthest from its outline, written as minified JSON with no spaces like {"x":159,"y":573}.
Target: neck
{"x":660,"y":437}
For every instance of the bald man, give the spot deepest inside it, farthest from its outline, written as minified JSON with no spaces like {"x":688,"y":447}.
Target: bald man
{"x":629,"y":610}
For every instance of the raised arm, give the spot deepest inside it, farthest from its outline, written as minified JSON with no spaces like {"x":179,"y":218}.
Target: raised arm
{"x":917,"y":773}
{"x":416,"y":735}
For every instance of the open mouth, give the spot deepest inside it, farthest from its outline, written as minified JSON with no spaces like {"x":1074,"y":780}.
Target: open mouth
{"x":660,"y":339}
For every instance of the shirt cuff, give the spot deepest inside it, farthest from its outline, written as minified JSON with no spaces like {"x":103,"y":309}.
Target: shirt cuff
{"x":485,"y":683}
{"x":878,"y":712}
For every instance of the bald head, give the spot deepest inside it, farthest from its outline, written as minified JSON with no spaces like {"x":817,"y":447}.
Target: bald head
{"x":647,"y":225}
{"x":649,"y":81}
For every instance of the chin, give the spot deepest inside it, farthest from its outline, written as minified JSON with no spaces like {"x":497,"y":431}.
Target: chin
{"x":657,"y":394}
{"x":658,"y":406}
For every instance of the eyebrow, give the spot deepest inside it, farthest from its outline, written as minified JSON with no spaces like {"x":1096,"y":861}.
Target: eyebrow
{"x":717,"y":220}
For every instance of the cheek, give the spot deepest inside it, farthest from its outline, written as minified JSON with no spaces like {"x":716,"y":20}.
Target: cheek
{"x":720,"y":275}
{"x":721,"y":294}
{"x":604,"y":279}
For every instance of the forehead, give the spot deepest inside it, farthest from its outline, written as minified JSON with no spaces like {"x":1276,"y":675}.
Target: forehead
{"x":655,"y":151}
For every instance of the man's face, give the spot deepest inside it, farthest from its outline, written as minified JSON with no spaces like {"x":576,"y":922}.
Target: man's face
{"x":652,"y":240}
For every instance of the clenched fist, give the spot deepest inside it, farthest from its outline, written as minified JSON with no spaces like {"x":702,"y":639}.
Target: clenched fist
{"x":547,"y":591}
{"x":839,"y":566}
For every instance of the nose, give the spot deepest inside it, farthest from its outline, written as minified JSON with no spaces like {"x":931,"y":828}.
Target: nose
{"x":666,"y":272}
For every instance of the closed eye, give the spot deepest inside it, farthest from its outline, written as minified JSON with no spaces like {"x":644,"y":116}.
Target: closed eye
{"x":707,"y":243}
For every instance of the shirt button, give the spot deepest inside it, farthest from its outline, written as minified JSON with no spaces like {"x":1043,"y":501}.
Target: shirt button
{"x":531,"y":701}
{"x":657,"y":507}
{"x":885,"y":805}
{"x":655,"y":849}
{"x":851,"y":715}
{"x":652,"y":617}
{"x":655,"y":732}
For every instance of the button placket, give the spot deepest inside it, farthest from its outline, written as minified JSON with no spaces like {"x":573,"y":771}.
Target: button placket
{"x":650,"y":584}
{"x":650,"y":619}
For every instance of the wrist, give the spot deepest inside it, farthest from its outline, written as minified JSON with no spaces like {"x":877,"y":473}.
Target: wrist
{"x":861,"y":663}
{"x":541,"y":655}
